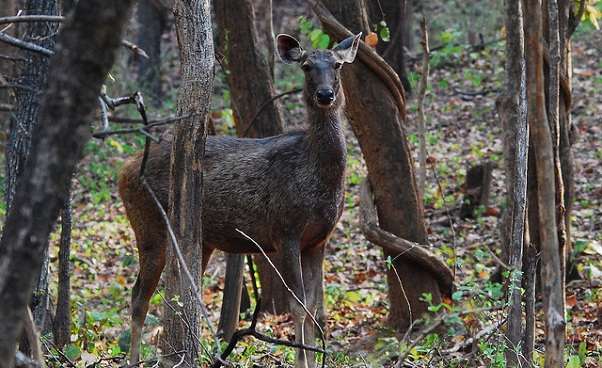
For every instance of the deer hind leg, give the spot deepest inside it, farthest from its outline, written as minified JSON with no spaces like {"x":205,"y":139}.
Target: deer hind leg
{"x":291,"y":271}
{"x":151,"y":267}
{"x":312,"y":262}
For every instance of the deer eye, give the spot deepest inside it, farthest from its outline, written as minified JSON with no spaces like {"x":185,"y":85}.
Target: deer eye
{"x":338,"y":65}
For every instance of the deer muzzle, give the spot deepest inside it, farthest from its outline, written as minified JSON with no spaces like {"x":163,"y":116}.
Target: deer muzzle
{"x":325,"y":97}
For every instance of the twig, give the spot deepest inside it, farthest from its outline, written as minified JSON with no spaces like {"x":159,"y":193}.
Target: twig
{"x":573,"y":26}
{"x":25,"y":45}
{"x":291,"y":292}
{"x":144,"y":129}
{"x":426,"y":330}
{"x":420,"y":111}
{"x":266,"y":104}
{"x":33,"y":337}
{"x":135,"y":48}
{"x":137,"y":364}
{"x":449,"y":217}
{"x":251,"y":331}
{"x":32,"y":18}
{"x":137,"y":99}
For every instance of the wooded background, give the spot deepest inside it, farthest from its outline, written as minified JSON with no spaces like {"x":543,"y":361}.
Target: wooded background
{"x":490,"y":216}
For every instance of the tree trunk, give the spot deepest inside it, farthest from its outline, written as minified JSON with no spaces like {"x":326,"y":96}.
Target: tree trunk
{"x":152,"y":21}
{"x":512,"y":110}
{"x":7,"y":9}
{"x":33,"y":78}
{"x":377,"y":123}
{"x":251,"y":85}
{"x":89,"y":42}
{"x":547,"y":181}
{"x":398,"y":16}
{"x":193,"y":27}
{"x":62,"y":319}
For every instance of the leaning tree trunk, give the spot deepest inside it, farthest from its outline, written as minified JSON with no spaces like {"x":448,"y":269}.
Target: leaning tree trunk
{"x":183,"y":324}
{"x":251,"y":86}
{"x":375,"y":117}
{"x":89,"y":39}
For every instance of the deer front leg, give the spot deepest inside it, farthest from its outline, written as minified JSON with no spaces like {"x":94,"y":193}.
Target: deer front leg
{"x":292,"y":273}
{"x":312,"y":262}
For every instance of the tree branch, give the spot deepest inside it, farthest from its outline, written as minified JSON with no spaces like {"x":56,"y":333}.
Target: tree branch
{"x":405,"y":249}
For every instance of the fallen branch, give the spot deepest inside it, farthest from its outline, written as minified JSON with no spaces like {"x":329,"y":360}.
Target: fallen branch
{"x":251,"y":331}
{"x":405,"y":249}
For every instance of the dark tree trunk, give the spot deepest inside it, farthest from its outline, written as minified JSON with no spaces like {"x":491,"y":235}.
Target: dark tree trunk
{"x":377,"y":123}
{"x":398,"y":16}
{"x":251,"y":85}
{"x":89,"y":40}
{"x":32,"y":75}
{"x":152,"y":21}
{"x":7,"y":9}
{"x":183,"y":325}
{"x":62,"y":317}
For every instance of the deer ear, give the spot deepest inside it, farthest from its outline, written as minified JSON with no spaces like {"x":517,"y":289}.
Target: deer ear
{"x":347,"y":49}
{"x":289,"y":49}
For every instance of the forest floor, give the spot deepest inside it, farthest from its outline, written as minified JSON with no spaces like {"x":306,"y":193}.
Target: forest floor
{"x":463,"y":130}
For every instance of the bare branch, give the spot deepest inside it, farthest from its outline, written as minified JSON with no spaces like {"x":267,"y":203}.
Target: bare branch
{"x":251,"y":331}
{"x":135,"y":48}
{"x":420,"y":111}
{"x":32,"y":18}
{"x":25,"y":45}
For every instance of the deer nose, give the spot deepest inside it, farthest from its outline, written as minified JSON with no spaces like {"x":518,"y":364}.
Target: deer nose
{"x":325,"y":97}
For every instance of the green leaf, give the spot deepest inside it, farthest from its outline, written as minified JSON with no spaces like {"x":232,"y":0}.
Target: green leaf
{"x":323,"y":41}
{"x":313,"y":35}
{"x":124,"y":340}
{"x":573,"y":362}
{"x":72,"y":352}
{"x":457,"y":295}
{"x":385,"y":34}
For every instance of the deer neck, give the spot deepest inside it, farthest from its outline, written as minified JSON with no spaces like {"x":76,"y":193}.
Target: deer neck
{"x":327,"y":142}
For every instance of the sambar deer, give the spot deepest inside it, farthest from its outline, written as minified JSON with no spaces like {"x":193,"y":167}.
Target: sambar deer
{"x":285,"y":192}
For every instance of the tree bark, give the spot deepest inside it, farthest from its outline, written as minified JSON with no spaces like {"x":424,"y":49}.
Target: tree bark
{"x":33,"y":77}
{"x":62,"y":318}
{"x":152,"y":21}
{"x":87,"y":46}
{"x":551,"y":275}
{"x":195,"y":39}
{"x":374,"y":115}
{"x":512,"y":109}
{"x":398,"y":16}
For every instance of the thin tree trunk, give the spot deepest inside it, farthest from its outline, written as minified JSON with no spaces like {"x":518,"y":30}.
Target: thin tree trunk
{"x":512,"y":109}
{"x":62,"y":317}
{"x":89,"y":39}
{"x":193,"y":27}
{"x":552,"y":281}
